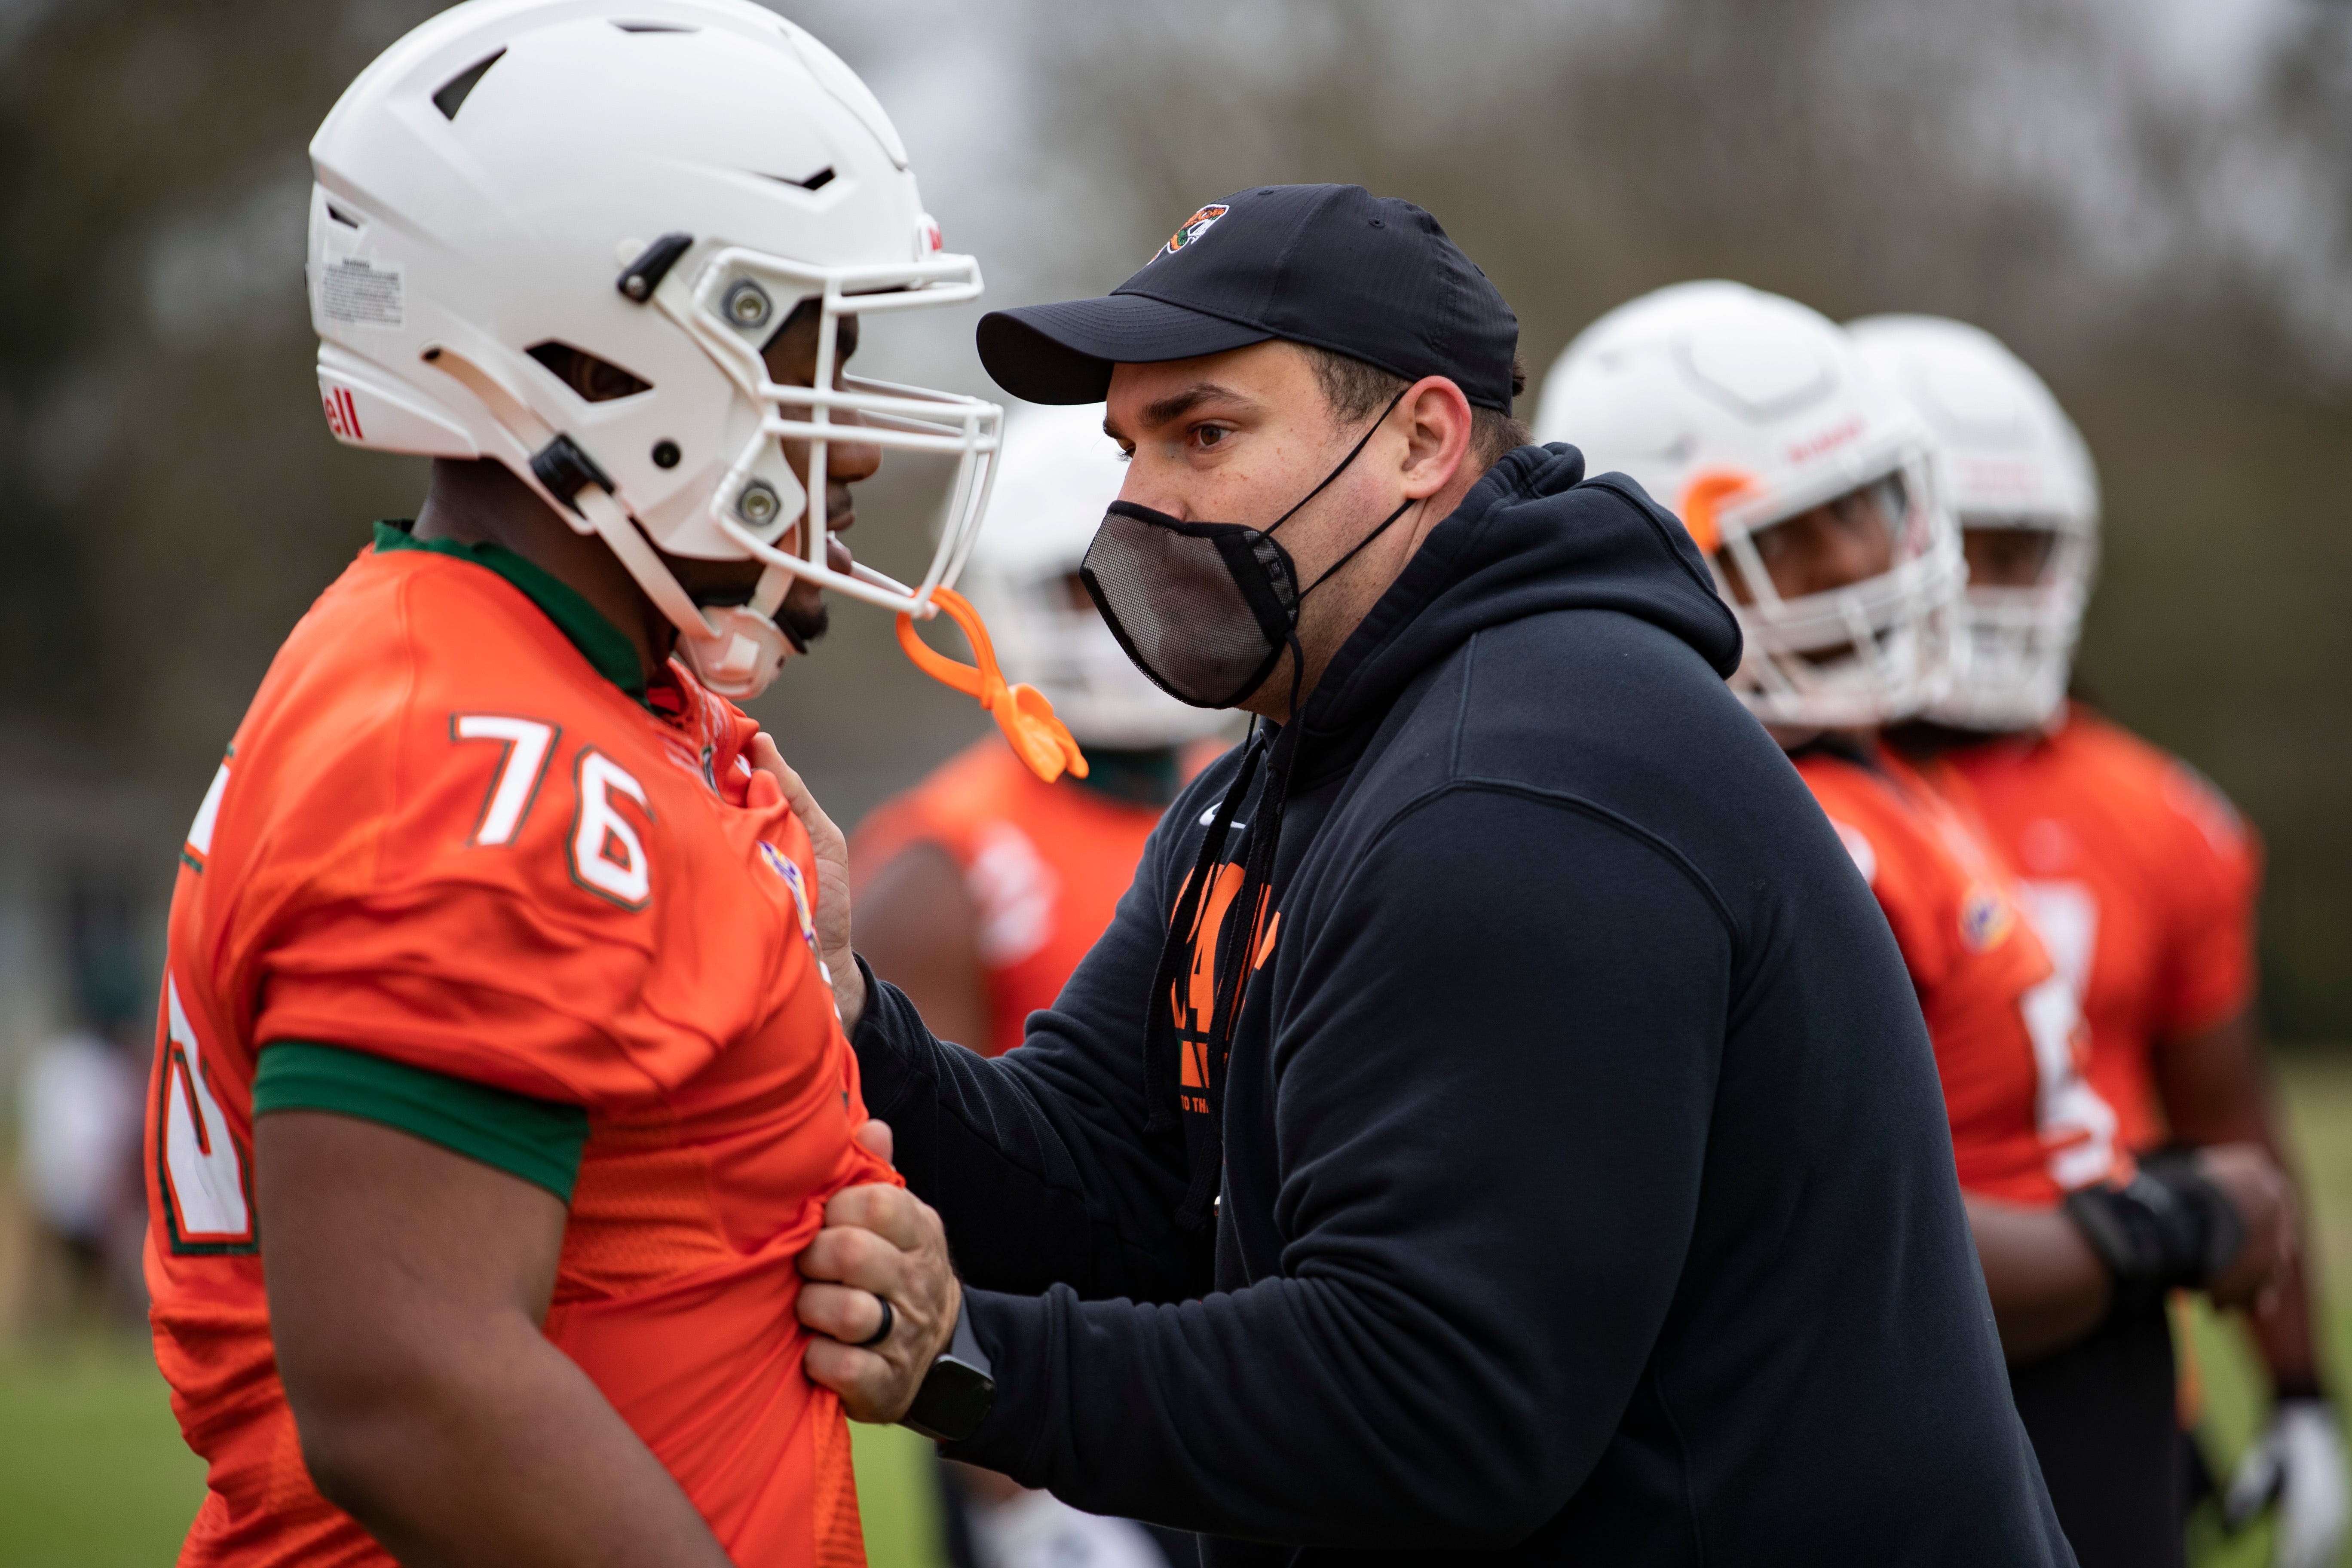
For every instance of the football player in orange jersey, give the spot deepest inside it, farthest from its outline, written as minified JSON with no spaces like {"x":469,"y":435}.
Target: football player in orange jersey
{"x":979,"y":889}
{"x":501,"y":1103}
{"x":1806,"y":481}
{"x":2140,"y":875}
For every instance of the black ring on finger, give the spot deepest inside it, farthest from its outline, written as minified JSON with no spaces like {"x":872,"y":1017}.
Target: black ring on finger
{"x":889,"y":1321}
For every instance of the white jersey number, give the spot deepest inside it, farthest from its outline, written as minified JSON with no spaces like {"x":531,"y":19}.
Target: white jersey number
{"x":202,"y":1170}
{"x":528,"y":746}
{"x":607,"y":857}
{"x":2066,"y":916}
{"x":2078,"y":1128}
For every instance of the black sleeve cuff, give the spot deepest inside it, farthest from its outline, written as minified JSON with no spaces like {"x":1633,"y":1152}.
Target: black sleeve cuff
{"x":1016,"y":1331}
{"x":2167,"y":1228}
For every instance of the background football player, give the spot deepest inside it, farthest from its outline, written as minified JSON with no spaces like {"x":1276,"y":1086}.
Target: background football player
{"x":2141,"y":877}
{"x":979,"y":889}
{"x":1806,"y":481}
{"x":499,"y":1094}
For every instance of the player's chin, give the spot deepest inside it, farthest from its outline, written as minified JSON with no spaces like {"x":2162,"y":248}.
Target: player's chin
{"x":804,"y":614}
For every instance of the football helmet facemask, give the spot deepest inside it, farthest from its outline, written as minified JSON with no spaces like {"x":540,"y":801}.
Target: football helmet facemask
{"x":1740,"y":410}
{"x":658,"y":187}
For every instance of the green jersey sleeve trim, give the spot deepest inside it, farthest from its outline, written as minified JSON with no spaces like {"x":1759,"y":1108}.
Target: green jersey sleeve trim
{"x":537,"y":1140}
{"x":600,"y":642}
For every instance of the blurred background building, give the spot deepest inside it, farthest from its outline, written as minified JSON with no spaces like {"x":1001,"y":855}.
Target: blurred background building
{"x":2147,"y":198}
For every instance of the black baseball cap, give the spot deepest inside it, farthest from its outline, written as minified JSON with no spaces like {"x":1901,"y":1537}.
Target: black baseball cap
{"x":1332,"y":266}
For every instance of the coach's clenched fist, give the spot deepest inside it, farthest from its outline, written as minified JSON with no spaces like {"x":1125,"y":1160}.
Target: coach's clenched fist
{"x":881,"y":1294}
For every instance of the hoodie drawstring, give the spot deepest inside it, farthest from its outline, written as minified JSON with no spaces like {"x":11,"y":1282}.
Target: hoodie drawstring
{"x":1233,"y":952}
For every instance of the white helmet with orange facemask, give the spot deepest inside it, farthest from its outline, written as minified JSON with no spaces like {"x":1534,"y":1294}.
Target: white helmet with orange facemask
{"x":1740,"y":410}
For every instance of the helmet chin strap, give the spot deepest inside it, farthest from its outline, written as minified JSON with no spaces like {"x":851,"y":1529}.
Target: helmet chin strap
{"x":735,"y":650}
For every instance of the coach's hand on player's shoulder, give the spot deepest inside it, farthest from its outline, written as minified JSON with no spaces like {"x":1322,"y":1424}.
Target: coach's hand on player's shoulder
{"x":831,"y":847}
{"x":879,"y":1243}
{"x":2257,"y":1190}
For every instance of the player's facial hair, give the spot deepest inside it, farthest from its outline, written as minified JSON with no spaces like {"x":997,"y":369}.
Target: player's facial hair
{"x":805,"y":626}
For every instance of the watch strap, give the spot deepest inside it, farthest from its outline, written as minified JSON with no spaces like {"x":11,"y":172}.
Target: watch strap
{"x":959,"y":1391}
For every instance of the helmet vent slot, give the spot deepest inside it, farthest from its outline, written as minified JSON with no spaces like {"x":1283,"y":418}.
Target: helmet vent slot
{"x":450,"y":97}
{"x":340,"y":216}
{"x":815,"y":182}
{"x":656,"y":28}
{"x":594,"y":380}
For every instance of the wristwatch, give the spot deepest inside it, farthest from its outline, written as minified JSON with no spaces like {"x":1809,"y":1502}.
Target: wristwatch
{"x":959,"y":1391}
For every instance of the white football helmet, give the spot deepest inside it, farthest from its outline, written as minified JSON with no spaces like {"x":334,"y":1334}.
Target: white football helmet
{"x":1738,"y":409}
{"x":2009,"y":460}
{"x":657,"y":185}
{"x":1059,"y":471}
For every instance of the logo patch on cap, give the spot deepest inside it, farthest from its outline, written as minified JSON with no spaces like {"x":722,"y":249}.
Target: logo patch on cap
{"x":1193,"y":228}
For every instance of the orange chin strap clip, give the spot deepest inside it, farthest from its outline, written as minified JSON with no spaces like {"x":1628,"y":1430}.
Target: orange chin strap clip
{"x":1022,"y":712}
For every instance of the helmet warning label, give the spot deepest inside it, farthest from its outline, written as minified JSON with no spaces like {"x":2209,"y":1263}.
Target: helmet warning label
{"x":364,"y":293}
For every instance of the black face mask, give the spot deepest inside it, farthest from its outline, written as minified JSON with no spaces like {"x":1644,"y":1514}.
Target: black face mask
{"x":1205,"y":609}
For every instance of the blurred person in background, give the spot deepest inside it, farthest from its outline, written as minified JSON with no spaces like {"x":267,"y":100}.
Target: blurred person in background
{"x":979,"y":889}
{"x":77,"y":1159}
{"x":2140,"y":875}
{"x":1806,"y":481}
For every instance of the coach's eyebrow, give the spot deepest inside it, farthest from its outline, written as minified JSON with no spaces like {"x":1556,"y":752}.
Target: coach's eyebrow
{"x":1177,"y":405}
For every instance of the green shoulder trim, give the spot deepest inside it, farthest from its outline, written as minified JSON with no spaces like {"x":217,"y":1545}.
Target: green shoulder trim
{"x":537,"y":1140}
{"x":599,"y":641}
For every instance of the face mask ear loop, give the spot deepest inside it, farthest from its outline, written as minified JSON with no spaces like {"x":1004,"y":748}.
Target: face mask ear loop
{"x":1297,"y":675}
{"x":1362,"y":441}
{"x":1383,"y":528}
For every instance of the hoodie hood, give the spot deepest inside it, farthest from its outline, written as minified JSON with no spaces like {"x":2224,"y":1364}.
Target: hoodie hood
{"x":1533,"y":535}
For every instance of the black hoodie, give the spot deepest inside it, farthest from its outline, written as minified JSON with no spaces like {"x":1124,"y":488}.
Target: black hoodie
{"x":1587,"y":1192}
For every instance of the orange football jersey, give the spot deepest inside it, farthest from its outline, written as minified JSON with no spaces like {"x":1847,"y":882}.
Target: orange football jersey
{"x":1045,"y":864}
{"x":2026,"y":1128}
{"x":2141,"y":880}
{"x":441,"y":838}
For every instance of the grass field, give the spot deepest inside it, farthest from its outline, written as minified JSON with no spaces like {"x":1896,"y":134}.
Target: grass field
{"x":93,"y":1473}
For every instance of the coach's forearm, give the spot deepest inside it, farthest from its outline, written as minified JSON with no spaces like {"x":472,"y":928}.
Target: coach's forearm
{"x":1037,"y":1160}
{"x":496,"y":1449}
{"x":2048,"y":1288}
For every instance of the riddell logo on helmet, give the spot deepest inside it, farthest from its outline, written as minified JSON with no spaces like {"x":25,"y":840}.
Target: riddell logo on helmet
{"x":1829,"y":440}
{"x":342,"y":413}
{"x":1192,"y":228}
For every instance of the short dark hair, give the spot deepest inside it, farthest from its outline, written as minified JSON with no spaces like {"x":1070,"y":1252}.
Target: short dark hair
{"x":1358,"y":391}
